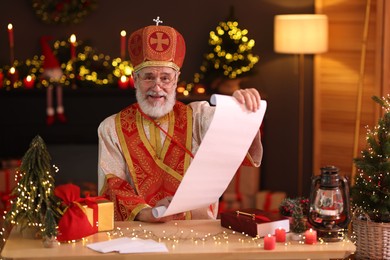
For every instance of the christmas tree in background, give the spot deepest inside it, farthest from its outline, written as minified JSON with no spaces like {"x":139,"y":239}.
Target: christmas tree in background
{"x":34,"y":203}
{"x":371,"y":192}
{"x":230,"y":53}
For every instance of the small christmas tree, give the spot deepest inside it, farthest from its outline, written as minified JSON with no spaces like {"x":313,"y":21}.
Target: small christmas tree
{"x":297,"y":209}
{"x":34,"y":198}
{"x":230,"y":53}
{"x":371,"y":192}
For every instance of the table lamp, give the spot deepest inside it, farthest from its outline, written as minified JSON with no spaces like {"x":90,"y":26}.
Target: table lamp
{"x":301,"y":34}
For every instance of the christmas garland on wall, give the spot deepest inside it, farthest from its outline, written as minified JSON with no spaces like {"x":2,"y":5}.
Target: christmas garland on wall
{"x":89,"y":69}
{"x":63,"y":11}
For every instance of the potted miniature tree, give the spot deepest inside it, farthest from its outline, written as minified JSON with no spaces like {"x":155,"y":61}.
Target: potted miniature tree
{"x":371,"y":191}
{"x":296,"y":210}
{"x":34,"y":203}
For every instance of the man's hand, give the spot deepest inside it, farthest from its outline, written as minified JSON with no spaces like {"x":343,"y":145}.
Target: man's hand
{"x":146,"y":215}
{"x":250,"y":97}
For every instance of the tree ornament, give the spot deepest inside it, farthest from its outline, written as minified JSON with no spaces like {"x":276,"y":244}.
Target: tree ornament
{"x":53,"y":74}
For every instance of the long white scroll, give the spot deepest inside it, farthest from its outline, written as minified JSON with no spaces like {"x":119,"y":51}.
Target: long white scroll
{"x":221,"y":152}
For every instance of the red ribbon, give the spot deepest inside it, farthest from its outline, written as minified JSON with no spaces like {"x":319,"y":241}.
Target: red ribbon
{"x":268,"y":200}
{"x":92,"y":202}
{"x":237,"y":186}
{"x":7,"y":181}
{"x":262,"y":218}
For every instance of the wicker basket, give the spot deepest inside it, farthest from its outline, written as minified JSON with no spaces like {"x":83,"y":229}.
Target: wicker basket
{"x":372,"y":239}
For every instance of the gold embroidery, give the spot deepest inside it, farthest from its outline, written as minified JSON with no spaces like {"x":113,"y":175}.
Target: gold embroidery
{"x":156,"y":170}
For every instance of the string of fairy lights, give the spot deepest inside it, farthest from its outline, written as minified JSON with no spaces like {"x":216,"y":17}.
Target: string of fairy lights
{"x":177,"y":236}
{"x":371,"y":193}
{"x":230,"y":57}
{"x":90,"y":69}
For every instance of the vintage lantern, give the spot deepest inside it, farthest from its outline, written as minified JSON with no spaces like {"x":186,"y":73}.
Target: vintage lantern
{"x":329,"y":211}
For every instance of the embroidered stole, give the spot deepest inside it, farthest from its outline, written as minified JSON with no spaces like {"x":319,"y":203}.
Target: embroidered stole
{"x":156,"y":171}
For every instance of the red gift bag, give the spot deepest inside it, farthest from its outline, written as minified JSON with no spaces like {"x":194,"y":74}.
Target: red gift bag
{"x":74,"y":224}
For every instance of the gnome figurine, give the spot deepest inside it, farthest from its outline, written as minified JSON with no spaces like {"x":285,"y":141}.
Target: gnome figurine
{"x":53,"y":73}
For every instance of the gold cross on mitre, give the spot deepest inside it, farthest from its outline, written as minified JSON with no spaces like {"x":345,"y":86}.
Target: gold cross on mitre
{"x":157,"y":20}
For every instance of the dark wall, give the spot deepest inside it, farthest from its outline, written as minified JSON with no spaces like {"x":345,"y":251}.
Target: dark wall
{"x":276,"y":76}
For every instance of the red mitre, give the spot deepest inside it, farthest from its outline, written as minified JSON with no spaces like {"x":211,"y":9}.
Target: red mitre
{"x":156,"y":46}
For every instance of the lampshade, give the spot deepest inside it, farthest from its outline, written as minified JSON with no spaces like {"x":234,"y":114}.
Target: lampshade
{"x":301,"y":33}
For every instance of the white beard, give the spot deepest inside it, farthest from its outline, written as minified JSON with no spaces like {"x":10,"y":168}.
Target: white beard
{"x":156,"y":111}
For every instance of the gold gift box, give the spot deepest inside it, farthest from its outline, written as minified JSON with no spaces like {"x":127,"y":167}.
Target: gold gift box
{"x":105,"y":215}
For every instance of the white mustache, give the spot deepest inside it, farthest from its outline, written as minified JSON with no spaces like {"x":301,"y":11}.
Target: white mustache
{"x":156,"y":94}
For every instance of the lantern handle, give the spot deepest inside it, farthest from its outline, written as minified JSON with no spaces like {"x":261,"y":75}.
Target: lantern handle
{"x":314,"y":181}
{"x":347,"y":211}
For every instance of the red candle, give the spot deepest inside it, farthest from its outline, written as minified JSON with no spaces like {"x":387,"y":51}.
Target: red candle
{"x":29,"y":82}
{"x":11,"y":35}
{"x":280,"y":234}
{"x":123,"y":82}
{"x":1,"y":79}
{"x":310,"y":237}
{"x":73,"y":46}
{"x":123,"y":44}
{"x":131,"y":82}
{"x":269,"y":242}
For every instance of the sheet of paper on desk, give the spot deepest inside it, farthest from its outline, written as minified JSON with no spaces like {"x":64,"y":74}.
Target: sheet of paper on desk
{"x":221,"y":152}
{"x":127,"y":245}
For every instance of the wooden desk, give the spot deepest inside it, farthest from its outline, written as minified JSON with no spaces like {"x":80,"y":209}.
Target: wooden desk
{"x":195,"y":239}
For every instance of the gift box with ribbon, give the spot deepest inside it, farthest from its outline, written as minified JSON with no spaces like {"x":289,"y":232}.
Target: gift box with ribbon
{"x":82,"y":216}
{"x":269,"y":200}
{"x":101,"y":209}
{"x":8,"y":181}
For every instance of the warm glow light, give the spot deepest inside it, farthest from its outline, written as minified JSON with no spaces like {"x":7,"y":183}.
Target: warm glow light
{"x":180,"y":89}
{"x":123,"y":33}
{"x":12,"y":70}
{"x":301,"y":33}
{"x":200,"y":90}
{"x":73,"y":38}
{"x":10,"y":26}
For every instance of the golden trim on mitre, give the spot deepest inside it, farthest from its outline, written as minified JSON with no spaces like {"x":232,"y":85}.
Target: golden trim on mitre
{"x":150,"y":63}
{"x":156,"y":46}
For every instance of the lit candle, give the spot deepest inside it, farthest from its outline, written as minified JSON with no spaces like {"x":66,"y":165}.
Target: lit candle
{"x":310,"y":236}
{"x":269,"y":242}
{"x":73,"y":46}
{"x":123,"y":44}
{"x":13,"y":75}
{"x":123,"y":82}
{"x":28,"y":82}
{"x":11,"y":35}
{"x":280,"y":234}
{"x":11,"y":43}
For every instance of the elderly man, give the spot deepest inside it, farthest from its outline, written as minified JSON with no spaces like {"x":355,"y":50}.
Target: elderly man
{"x":145,"y":149}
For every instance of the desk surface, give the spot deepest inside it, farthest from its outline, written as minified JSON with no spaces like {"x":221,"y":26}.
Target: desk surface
{"x":193,"y":239}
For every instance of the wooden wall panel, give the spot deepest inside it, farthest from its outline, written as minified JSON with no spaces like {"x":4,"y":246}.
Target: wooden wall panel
{"x":337,"y":76}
